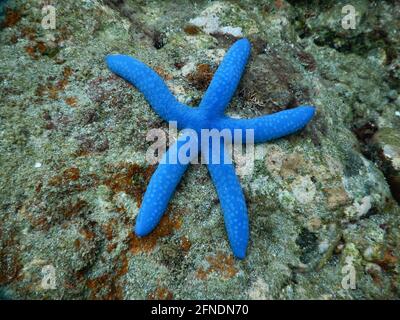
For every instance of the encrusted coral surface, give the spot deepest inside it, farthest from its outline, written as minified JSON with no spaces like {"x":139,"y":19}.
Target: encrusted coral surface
{"x":73,"y":151}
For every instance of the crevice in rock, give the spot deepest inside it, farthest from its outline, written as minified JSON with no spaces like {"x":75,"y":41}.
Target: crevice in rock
{"x":381,"y":146}
{"x":308,"y":243}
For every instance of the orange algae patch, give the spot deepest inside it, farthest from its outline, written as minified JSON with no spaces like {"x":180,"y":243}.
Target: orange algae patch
{"x":71,"y":174}
{"x":112,"y":291}
{"x":10,"y":264}
{"x":52,"y":89}
{"x":77,"y":244}
{"x":74,"y":209}
{"x":111,"y":246}
{"x":109,"y":230}
{"x":39,"y":48}
{"x":166,"y":227}
{"x":71,"y":101}
{"x":160,"y":293}
{"x":29,"y":33}
{"x":201,"y":78}
{"x":191,"y":30}
{"x":108,"y":286}
{"x":185,"y":243}
{"x":61,"y":84}
{"x":131,"y":179}
{"x":87,"y":234}
{"x":388,"y":261}
{"x":279,"y":4}
{"x":161,"y":72}
{"x":220,"y":263}
{"x":31,"y":51}
{"x":12,"y":18}
{"x":124,"y":266}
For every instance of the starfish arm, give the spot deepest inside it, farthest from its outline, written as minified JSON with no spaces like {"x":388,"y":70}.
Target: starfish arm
{"x":151,"y":85}
{"x":270,"y":126}
{"x":226,"y":78}
{"x":162,"y":186}
{"x":232,"y":202}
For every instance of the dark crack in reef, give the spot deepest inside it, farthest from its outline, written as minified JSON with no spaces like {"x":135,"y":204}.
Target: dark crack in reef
{"x":73,"y":147}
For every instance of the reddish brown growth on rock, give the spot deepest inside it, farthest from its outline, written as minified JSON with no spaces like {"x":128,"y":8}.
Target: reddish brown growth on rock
{"x":191,"y":30}
{"x":111,"y":246}
{"x":71,"y":101}
{"x":95,"y":284}
{"x":160,"y":293}
{"x":185,"y":243}
{"x":104,"y":288}
{"x":129,"y":178}
{"x":124,"y":266}
{"x":91,"y":146}
{"x":109,"y":232}
{"x":41,"y":47}
{"x":161,"y":72}
{"x":39,"y":222}
{"x":31,"y":51}
{"x":336,"y":197}
{"x":388,"y":261}
{"x":109,"y":286}
{"x":178,"y":65}
{"x":120,"y":209}
{"x":52,"y":89}
{"x":375,"y":275}
{"x":52,"y":92}
{"x":71,"y":174}
{"x":87,"y":234}
{"x":77,"y":244}
{"x":36,"y":50}
{"x":74,"y":208}
{"x":10,"y":264}
{"x":279,"y":4}
{"x":12,"y":18}
{"x":220,"y":263}
{"x":28,"y":33}
{"x":70,"y":181}
{"x":307,"y":60}
{"x":108,"y":229}
{"x":201,"y":78}
{"x":38,"y":187}
{"x":67,"y":72}
{"x":167,"y":225}
{"x":61,"y":84}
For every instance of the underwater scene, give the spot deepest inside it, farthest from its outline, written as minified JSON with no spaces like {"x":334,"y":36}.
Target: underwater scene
{"x":199,"y":150}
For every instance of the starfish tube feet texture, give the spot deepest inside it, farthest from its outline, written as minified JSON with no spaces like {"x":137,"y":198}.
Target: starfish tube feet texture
{"x":226,"y":79}
{"x":161,"y":188}
{"x":271,"y":126}
{"x":232,"y":202}
{"x":209,"y":115}
{"x":151,"y":85}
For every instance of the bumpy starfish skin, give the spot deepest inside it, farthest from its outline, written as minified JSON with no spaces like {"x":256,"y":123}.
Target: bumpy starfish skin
{"x":209,"y":115}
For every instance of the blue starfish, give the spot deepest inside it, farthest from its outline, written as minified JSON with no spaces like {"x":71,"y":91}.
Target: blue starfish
{"x":209,"y":115}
